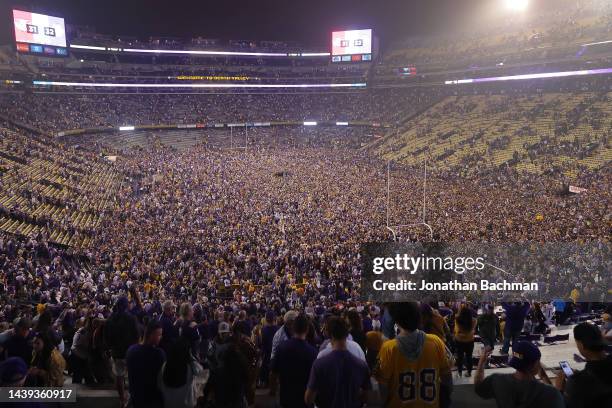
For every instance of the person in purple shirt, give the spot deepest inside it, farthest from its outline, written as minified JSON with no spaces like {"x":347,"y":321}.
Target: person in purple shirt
{"x":291,"y":365}
{"x":167,"y":320}
{"x":515,"y":319}
{"x":13,"y":374}
{"x":143,"y":364}
{"x":267,"y":335}
{"x":367,"y":321}
{"x":338,"y":380}
{"x":18,"y":342}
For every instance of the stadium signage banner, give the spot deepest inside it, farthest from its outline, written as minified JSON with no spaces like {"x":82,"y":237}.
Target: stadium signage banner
{"x":485,"y":272}
{"x":211,"y":78}
{"x":577,"y":190}
{"x":204,"y":125}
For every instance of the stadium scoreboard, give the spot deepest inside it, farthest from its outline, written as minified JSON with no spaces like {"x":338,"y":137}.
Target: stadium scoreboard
{"x":352,"y":46}
{"x":39,"y":34}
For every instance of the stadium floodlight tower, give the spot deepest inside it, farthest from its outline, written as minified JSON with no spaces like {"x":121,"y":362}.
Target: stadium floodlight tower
{"x":395,"y":228}
{"x":517,"y":5}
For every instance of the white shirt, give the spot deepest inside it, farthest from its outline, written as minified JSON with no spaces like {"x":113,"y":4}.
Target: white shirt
{"x":351,"y":346}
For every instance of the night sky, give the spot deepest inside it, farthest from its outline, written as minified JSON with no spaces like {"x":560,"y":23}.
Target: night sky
{"x":306,"y":21}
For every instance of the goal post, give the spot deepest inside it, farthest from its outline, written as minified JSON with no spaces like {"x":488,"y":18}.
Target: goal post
{"x":422,"y":222}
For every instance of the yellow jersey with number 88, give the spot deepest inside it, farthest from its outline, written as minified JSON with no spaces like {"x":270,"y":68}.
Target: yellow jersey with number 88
{"x":413,"y":384}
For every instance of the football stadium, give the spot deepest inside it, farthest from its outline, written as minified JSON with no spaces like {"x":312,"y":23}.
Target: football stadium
{"x":332,"y":204}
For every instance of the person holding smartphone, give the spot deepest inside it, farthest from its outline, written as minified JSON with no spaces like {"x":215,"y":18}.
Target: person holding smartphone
{"x":521,"y":388}
{"x":591,"y":387}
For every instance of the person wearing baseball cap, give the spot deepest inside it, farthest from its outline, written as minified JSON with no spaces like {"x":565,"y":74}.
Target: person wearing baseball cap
{"x":521,"y":388}
{"x":18,"y":342}
{"x":224,"y":328}
{"x":591,"y":387}
{"x":219,"y":344}
{"x":13,"y":372}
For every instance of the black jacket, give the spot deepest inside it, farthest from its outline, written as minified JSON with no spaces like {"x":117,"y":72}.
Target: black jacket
{"x":120,"y":332}
{"x":591,"y":387}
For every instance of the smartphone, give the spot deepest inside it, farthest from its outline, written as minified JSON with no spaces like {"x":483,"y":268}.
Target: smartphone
{"x":567,"y":370}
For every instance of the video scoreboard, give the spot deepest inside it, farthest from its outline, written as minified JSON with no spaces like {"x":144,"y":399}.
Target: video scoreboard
{"x":352,"y":46}
{"x":406,"y":72}
{"x":39,"y":34}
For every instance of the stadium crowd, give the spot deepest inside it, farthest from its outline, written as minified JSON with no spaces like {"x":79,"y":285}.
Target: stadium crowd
{"x":56,"y":112}
{"x":243,"y":242}
{"x":211,"y":274}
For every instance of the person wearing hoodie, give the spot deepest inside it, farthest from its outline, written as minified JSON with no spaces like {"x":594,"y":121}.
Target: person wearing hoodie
{"x":413,"y":369}
{"x":591,"y":387}
{"x":520,"y":389}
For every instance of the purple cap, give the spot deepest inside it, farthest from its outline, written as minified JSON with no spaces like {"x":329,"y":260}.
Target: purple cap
{"x":12,"y":370}
{"x":524,"y":354}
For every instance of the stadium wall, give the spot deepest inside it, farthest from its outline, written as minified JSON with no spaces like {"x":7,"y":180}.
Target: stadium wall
{"x":74,"y":132}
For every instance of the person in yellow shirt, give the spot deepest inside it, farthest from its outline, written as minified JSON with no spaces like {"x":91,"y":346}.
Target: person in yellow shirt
{"x":574,"y":295}
{"x":413,"y":370}
{"x":434,"y":323}
{"x":374,"y":341}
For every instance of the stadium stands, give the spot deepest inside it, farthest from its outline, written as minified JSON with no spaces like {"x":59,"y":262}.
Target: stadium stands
{"x":531,"y":133}
{"x":60,"y":112}
{"x":558,"y":33}
{"x":50,"y":192}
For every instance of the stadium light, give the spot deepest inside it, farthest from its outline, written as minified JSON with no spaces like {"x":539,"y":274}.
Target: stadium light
{"x":517,"y":5}
{"x":87,"y":47}
{"x":597,"y":43}
{"x":310,"y":123}
{"x":132,"y":85}
{"x":543,"y":75}
{"x":126,"y":128}
{"x":315,"y":54}
{"x":341,"y":123}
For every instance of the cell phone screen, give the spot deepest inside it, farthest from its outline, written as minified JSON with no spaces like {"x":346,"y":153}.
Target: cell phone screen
{"x":567,"y":370}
